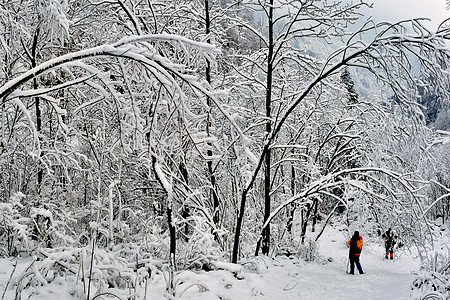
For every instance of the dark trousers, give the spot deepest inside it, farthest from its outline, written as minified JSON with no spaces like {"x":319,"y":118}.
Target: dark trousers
{"x":354,"y":260}
{"x":389,"y":249}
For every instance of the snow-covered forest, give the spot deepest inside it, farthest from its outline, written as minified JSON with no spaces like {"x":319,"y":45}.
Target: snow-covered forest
{"x":158,"y":149}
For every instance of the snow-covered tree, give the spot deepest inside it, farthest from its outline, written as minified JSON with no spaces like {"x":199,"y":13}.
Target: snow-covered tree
{"x":385,"y":52}
{"x":139,"y":129}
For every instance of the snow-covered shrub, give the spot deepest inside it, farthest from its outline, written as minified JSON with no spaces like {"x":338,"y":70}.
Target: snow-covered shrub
{"x":433,"y":282}
{"x":288,"y":249}
{"x":432,"y":285}
{"x":155,"y":240}
{"x":21,"y":225}
{"x":309,"y":251}
{"x":200,"y":246}
{"x":51,"y":225}
{"x":101,"y":272}
{"x":188,"y":279}
{"x":14,"y":227}
{"x":438,"y":258}
{"x":45,"y":268}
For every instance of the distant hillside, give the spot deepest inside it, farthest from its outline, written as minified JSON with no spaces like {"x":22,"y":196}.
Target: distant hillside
{"x":437,"y":113}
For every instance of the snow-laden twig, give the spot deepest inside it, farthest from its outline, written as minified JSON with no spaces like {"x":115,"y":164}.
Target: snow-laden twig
{"x":9,"y":280}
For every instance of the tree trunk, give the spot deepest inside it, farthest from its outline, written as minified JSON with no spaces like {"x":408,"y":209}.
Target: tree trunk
{"x":185,"y":214}
{"x":315,"y":204}
{"x":212,"y":177}
{"x":292,"y":210}
{"x":40,"y":172}
{"x":169,"y":212}
{"x":240,"y":218}
{"x":305,"y":222}
{"x":237,"y":232}
{"x":267,"y":163}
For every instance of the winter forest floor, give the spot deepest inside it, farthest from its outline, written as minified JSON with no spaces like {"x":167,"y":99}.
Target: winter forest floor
{"x":268,"y":278}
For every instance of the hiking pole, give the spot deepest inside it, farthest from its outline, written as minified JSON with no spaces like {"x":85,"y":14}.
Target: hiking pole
{"x":348,"y":265}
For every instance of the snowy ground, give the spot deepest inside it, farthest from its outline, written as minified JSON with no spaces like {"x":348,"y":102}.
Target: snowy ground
{"x":266,"y":278}
{"x":289,"y":278}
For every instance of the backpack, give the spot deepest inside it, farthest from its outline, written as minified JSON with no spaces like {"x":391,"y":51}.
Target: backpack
{"x":354,"y":249}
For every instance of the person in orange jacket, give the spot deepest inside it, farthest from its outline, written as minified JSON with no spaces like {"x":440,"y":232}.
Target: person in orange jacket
{"x":355,"y":243}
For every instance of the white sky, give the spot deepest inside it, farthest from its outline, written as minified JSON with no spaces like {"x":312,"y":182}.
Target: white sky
{"x":396,"y":10}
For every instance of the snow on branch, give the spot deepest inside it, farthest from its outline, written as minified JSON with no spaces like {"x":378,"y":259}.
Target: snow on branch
{"x":387,"y":55}
{"x":322,"y":185}
{"x":137,"y":49}
{"x":119,"y":49}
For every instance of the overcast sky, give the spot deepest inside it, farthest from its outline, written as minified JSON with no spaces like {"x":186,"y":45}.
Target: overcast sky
{"x":395,"y":10}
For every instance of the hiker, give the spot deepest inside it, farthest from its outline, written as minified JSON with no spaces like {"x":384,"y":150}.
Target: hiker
{"x":355,"y":244}
{"x":389,"y":243}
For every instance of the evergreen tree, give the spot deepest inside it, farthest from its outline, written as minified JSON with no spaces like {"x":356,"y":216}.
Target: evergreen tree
{"x":347,"y":80}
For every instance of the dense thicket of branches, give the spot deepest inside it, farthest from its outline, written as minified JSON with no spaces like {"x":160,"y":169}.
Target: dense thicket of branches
{"x":198,"y":130}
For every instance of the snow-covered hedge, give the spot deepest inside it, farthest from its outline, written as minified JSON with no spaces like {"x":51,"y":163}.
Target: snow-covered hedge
{"x":431,"y":285}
